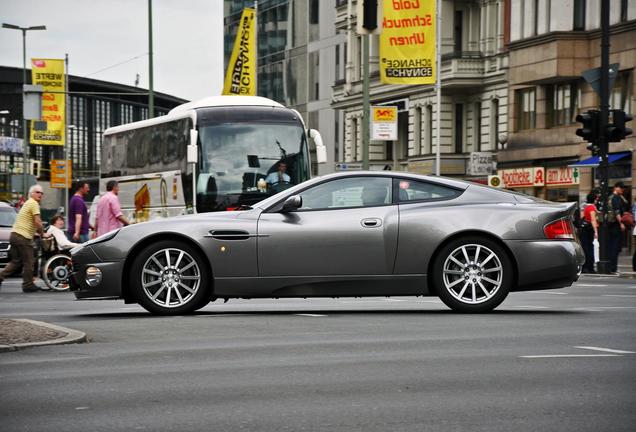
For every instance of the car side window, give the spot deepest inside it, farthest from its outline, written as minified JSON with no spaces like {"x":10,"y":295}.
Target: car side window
{"x":413,"y":190}
{"x":348,"y":192}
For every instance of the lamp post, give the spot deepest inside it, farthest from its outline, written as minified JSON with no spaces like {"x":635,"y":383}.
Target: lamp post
{"x":25,"y":134}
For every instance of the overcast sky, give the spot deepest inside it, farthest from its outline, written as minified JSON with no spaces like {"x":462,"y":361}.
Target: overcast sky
{"x":98,"y":34}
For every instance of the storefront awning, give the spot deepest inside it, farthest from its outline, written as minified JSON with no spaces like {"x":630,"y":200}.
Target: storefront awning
{"x":594,"y":160}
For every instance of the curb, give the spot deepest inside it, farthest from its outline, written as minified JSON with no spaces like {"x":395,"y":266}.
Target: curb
{"x":72,"y":336}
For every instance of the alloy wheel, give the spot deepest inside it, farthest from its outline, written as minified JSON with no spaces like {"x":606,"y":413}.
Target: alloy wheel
{"x":472,"y":273}
{"x":171,"y":277}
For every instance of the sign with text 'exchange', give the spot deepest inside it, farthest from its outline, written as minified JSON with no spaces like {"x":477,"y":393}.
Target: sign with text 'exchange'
{"x":407,"y":42}
{"x":240,"y":78}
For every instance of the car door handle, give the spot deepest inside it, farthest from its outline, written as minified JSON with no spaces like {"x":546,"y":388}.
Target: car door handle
{"x":371,"y":222}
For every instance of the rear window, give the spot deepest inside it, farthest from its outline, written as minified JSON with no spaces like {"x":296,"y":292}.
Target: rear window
{"x":413,"y":190}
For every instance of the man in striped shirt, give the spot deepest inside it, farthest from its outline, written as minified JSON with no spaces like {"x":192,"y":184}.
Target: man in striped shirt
{"x":27,"y":223}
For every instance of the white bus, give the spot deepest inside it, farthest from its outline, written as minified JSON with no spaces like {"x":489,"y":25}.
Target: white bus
{"x":215,"y":154}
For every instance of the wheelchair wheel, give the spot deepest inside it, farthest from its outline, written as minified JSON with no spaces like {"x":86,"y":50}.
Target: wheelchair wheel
{"x":56,"y":272}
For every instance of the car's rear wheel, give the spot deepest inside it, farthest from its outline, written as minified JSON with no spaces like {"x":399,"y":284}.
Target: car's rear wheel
{"x":472,"y":274}
{"x":170,"y":278}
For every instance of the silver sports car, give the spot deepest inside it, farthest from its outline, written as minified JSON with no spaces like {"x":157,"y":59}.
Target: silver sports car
{"x":342,"y":235}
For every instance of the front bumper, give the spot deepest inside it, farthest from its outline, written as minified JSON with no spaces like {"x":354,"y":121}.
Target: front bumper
{"x":111,"y":283}
{"x":546,"y":264}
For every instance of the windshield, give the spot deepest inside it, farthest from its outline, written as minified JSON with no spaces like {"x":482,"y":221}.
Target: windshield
{"x":7,"y":217}
{"x":243,"y":163}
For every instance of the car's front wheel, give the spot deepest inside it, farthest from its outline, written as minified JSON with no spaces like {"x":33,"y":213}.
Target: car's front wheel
{"x":472,"y":274}
{"x":170,"y":278}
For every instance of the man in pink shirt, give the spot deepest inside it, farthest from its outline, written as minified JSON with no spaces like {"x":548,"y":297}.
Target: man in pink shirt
{"x":108,"y":213}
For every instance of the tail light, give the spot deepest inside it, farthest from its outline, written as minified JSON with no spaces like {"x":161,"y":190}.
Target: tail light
{"x":561,"y":229}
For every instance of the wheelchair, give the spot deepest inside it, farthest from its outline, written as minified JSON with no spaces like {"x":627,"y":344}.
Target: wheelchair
{"x":53,"y":265}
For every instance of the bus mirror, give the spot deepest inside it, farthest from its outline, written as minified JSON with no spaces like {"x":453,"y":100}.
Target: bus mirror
{"x":253,"y":162}
{"x":321,"y":150}
{"x":192,"y":156}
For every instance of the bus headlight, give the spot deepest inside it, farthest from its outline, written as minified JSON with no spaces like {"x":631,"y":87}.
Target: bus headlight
{"x":93,"y":276}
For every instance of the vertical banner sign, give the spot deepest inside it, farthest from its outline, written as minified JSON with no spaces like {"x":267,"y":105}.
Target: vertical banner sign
{"x":49,"y":73}
{"x":407,"y":42}
{"x":240,"y":78}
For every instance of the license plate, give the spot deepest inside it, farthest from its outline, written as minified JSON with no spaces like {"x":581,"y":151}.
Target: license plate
{"x":4,"y":255}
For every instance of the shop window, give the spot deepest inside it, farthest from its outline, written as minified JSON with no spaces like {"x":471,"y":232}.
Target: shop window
{"x":621,"y":94}
{"x":579,"y":14}
{"x":526,"y":103}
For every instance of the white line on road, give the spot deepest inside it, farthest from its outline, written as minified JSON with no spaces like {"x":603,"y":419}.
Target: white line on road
{"x":568,"y":356}
{"x":553,"y":293}
{"x":618,"y":295}
{"x":310,"y":315}
{"x":605,"y":350}
{"x":590,"y":285}
{"x":531,"y":307}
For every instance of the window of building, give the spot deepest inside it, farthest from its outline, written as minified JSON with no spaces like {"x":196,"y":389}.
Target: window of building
{"x":624,"y":10}
{"x":417,"y":130}
{"x":563,"y":104}
{"x":526,"y":102}
{"x":459,"y":128}
{"x":477,"y":127}
{"x":579,"y":14}
{"x":494,"y":124}
{"x":314,"y":14}
{"x":458,"y":30}
{"x":429,"y":130}
{"x":621,"y":94}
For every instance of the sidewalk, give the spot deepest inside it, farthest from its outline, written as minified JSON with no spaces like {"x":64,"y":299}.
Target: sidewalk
{"x":23,"y":333}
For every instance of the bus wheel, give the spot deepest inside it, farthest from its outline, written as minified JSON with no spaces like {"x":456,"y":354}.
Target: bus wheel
{"x":170,"y":278}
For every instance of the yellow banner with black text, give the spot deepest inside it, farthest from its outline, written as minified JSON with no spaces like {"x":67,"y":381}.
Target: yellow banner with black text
{"x":407,"y":42}
{"x":240,"y":78}
{"x":49,"y":73}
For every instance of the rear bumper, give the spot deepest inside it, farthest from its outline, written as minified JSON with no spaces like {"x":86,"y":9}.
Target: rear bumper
{"x":546,"y":264}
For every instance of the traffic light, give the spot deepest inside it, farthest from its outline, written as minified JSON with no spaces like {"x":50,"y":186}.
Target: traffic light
{"x":590,"y":130}
{"x":370,"y":14}
{"x":617,"y":131}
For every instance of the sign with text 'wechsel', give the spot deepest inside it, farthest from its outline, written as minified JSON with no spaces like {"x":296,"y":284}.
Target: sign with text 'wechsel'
{"x":384,"y":123}
{"x":407,"y":42}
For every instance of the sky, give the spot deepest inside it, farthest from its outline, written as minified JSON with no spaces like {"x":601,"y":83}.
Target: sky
{"x":108,"y":40}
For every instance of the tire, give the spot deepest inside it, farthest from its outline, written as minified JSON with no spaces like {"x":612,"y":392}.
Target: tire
{"x":56,"y":271}
{"x":472,"y":274}
{"x":170,"y":278}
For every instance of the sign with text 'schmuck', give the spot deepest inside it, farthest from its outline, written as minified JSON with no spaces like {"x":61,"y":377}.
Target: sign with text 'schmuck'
{"x":407,"y":42}
{"x":240,"y":78}
{"x":49,"y":73}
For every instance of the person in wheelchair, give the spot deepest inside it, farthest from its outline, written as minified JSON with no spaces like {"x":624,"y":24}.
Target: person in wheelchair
{"x":56,"y":229}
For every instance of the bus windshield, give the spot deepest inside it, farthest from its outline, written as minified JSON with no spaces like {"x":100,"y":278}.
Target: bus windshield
{"x":243,"y":163}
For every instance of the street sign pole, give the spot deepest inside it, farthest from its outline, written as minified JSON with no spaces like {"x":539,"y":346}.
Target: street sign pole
{"x":604,"y":264}
{"x":366,"y":102}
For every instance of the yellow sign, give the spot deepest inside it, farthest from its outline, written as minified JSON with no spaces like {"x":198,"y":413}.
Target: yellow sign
{"x":384,"y":114}
{"x":240,"y":78}
{"x":49,"y":73}
{"x":60,"y":178}
{"x":407,"y":42}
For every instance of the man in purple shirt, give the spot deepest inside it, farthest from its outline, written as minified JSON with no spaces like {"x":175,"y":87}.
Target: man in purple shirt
{"x":78,"y":223}
{"x":109,"y":216}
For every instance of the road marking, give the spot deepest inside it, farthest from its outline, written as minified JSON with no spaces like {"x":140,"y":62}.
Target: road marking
{"x":605,"y":350}
{"x":394,"y":300}
{"x":310,"y":315}
{"x":553,"y":293}
{"x":618,"y":295}
{"x":531,"y":307}
{"x":568,"y":356}
{"x":591,"y":285}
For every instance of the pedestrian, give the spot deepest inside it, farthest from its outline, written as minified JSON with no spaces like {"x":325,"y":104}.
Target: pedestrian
{"x":27,"y":223}
{"x":589,"y":231}
{"x":615,"y":226}
{"x":78,"y":223}
{"x":109,"y":216}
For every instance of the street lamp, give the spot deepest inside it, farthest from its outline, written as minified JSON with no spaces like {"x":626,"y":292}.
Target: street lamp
{"x":25,"y":135}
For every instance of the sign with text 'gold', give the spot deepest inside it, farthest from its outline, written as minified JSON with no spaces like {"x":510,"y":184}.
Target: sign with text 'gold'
{"x":407,"y":42}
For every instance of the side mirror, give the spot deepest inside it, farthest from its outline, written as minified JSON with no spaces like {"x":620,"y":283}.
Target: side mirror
{"x":192,"y":155}
{"x":292,"y":203}
{"x":321,"y":150}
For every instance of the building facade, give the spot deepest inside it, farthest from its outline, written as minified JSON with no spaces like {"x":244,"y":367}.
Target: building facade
{"x":474,"y":106}
{"x":297,"y":57}
{"x":94,"y":106}
{"x":551,"y":44}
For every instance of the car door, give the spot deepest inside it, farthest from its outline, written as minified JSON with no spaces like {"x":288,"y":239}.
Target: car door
{"x":345,"y":226}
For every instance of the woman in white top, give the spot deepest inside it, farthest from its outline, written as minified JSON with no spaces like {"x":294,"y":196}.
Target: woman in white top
{"x":56,"y":229}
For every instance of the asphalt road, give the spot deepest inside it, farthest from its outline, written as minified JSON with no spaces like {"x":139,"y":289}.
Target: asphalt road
{"x":560,"y":360}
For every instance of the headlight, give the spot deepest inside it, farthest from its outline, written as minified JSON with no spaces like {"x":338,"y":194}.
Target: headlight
{"x":102,"y":238}
{"x":93,"y":276}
